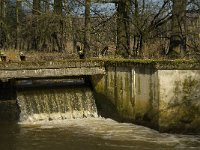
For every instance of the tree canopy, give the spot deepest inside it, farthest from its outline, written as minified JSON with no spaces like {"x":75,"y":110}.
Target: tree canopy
{"x":126,"y":28}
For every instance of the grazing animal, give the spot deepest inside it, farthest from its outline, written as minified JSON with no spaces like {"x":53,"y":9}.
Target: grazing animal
{"x":22,"y":56}
{"x":3,"y":57}
{"x":80,"y":52}
{"x":104,"y":51}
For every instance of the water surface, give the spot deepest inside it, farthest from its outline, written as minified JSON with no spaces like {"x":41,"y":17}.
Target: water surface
{"x":89,"y":134}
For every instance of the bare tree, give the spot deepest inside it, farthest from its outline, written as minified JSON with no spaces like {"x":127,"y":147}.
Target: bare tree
{"x":127,"y":27}
{"x":18,"y":19}
{"x":123,"y":28}
{"x":36,"y":7}
{"x":46,"y":6}
{"x":87,"y":28}
{"x":2,"y":22}
{"x":148,"y":21}
{"x":58,"y":7}
{"x":178,"y":27}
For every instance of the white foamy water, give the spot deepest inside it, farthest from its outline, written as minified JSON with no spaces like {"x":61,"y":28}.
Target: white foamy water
{"x":56,"y":104}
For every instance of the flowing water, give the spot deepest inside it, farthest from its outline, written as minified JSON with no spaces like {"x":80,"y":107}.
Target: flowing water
{"x":89,"y":134}
{"x":66,"y":119}
{"x":56,"y":103}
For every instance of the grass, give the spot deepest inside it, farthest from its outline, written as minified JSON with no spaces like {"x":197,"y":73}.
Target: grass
{"x":35,"y":58}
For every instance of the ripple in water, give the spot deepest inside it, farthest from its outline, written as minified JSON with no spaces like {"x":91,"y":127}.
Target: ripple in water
{"x":48,"y":123}
{"x":108,"y":134}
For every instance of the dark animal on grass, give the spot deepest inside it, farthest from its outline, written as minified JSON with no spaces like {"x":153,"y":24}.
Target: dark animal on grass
{"x":80,"y":52}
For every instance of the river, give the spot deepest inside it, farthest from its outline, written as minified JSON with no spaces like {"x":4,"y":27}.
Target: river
{"x":89,"y":134}
{"x":66,"y":118}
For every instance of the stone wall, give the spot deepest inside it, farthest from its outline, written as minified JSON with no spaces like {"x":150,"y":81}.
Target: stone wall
{"x":167,"y":100}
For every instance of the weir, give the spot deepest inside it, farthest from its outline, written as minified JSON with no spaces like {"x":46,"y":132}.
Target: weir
{"x":50,"y":69}
{"x":56,"y":103}
{"x":162,"y":95}
{"x":47,"y":90}
{"x":46,"y":100}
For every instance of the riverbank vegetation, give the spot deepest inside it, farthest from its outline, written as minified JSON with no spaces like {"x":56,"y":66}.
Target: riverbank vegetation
{"x":109,"y":29}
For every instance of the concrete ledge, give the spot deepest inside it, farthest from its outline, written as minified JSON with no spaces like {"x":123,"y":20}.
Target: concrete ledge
{"x":45,"y":73}
{"x":19,"y":65}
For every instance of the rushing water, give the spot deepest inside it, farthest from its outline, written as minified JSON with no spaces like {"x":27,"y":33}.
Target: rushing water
{"x":89,"y":134}
{"x":66,"y":119}
{"x":50,"y":103}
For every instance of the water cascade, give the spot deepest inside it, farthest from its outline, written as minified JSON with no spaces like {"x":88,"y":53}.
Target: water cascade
{"x":54,"y":103}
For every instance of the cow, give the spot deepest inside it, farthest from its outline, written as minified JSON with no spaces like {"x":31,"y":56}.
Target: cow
{"x":80,"y":51}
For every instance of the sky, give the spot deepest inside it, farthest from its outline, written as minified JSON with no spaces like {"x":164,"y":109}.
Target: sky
{"x":102,"y":9}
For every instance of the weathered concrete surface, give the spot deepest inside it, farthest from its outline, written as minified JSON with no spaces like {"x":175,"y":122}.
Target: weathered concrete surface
{"x":76,"y":63}
{"x":168,"y":100}
{"x":46,"y":73}
{"x":132,"y":91}
{"x":179,"y":100}
{"x":147,"y":92}
{"x":49,"y":69}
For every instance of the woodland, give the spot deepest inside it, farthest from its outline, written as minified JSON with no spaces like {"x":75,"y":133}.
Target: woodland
{"x":151,"y":29}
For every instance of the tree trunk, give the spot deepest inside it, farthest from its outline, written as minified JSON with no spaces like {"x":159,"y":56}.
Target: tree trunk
{"x":36,"y":7}
{"x":178,"y":26}
{"x":136,"y":9}
{"x":66,"y":6}
{"x":1,"y":23}
{"x":2,"y":17}
{"x":136,"y":35}
{"x":143,"y":6}
{"x":58,"y":36}
{"x":46,"y":6}
{"x":87,"y":29}
{"x":1,"y":9}
{"x":18,"y":18}
{"x":35,"y":11}
{"x":123,"y":28}
{"x":58,"y":7}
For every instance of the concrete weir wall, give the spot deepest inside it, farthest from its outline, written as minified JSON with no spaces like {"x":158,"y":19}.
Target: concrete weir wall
{"x":49,"y":69}
{"x":179,"y":100}
{"x":167,"y":100}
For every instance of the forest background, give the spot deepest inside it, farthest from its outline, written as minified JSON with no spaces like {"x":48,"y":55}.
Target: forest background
{"x":109,"y":28}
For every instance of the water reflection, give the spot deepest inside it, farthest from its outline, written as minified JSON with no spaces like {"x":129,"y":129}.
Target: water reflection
{"x":89,"y":134}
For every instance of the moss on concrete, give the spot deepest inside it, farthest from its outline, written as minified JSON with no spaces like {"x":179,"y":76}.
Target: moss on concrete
{"x":102,"y":62}
{"x":181,"y":113}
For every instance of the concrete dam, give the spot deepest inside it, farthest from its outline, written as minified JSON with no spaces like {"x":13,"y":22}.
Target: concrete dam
{"x":163,"y":95}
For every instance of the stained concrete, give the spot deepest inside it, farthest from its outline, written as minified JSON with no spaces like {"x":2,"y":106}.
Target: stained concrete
{"x":167,"y":100}
{"x":132,"y":90}
{"x":179,"y":100}
{"x":47,"y":73}
{"x":10,"y":70}
{"x":147,"y":93}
